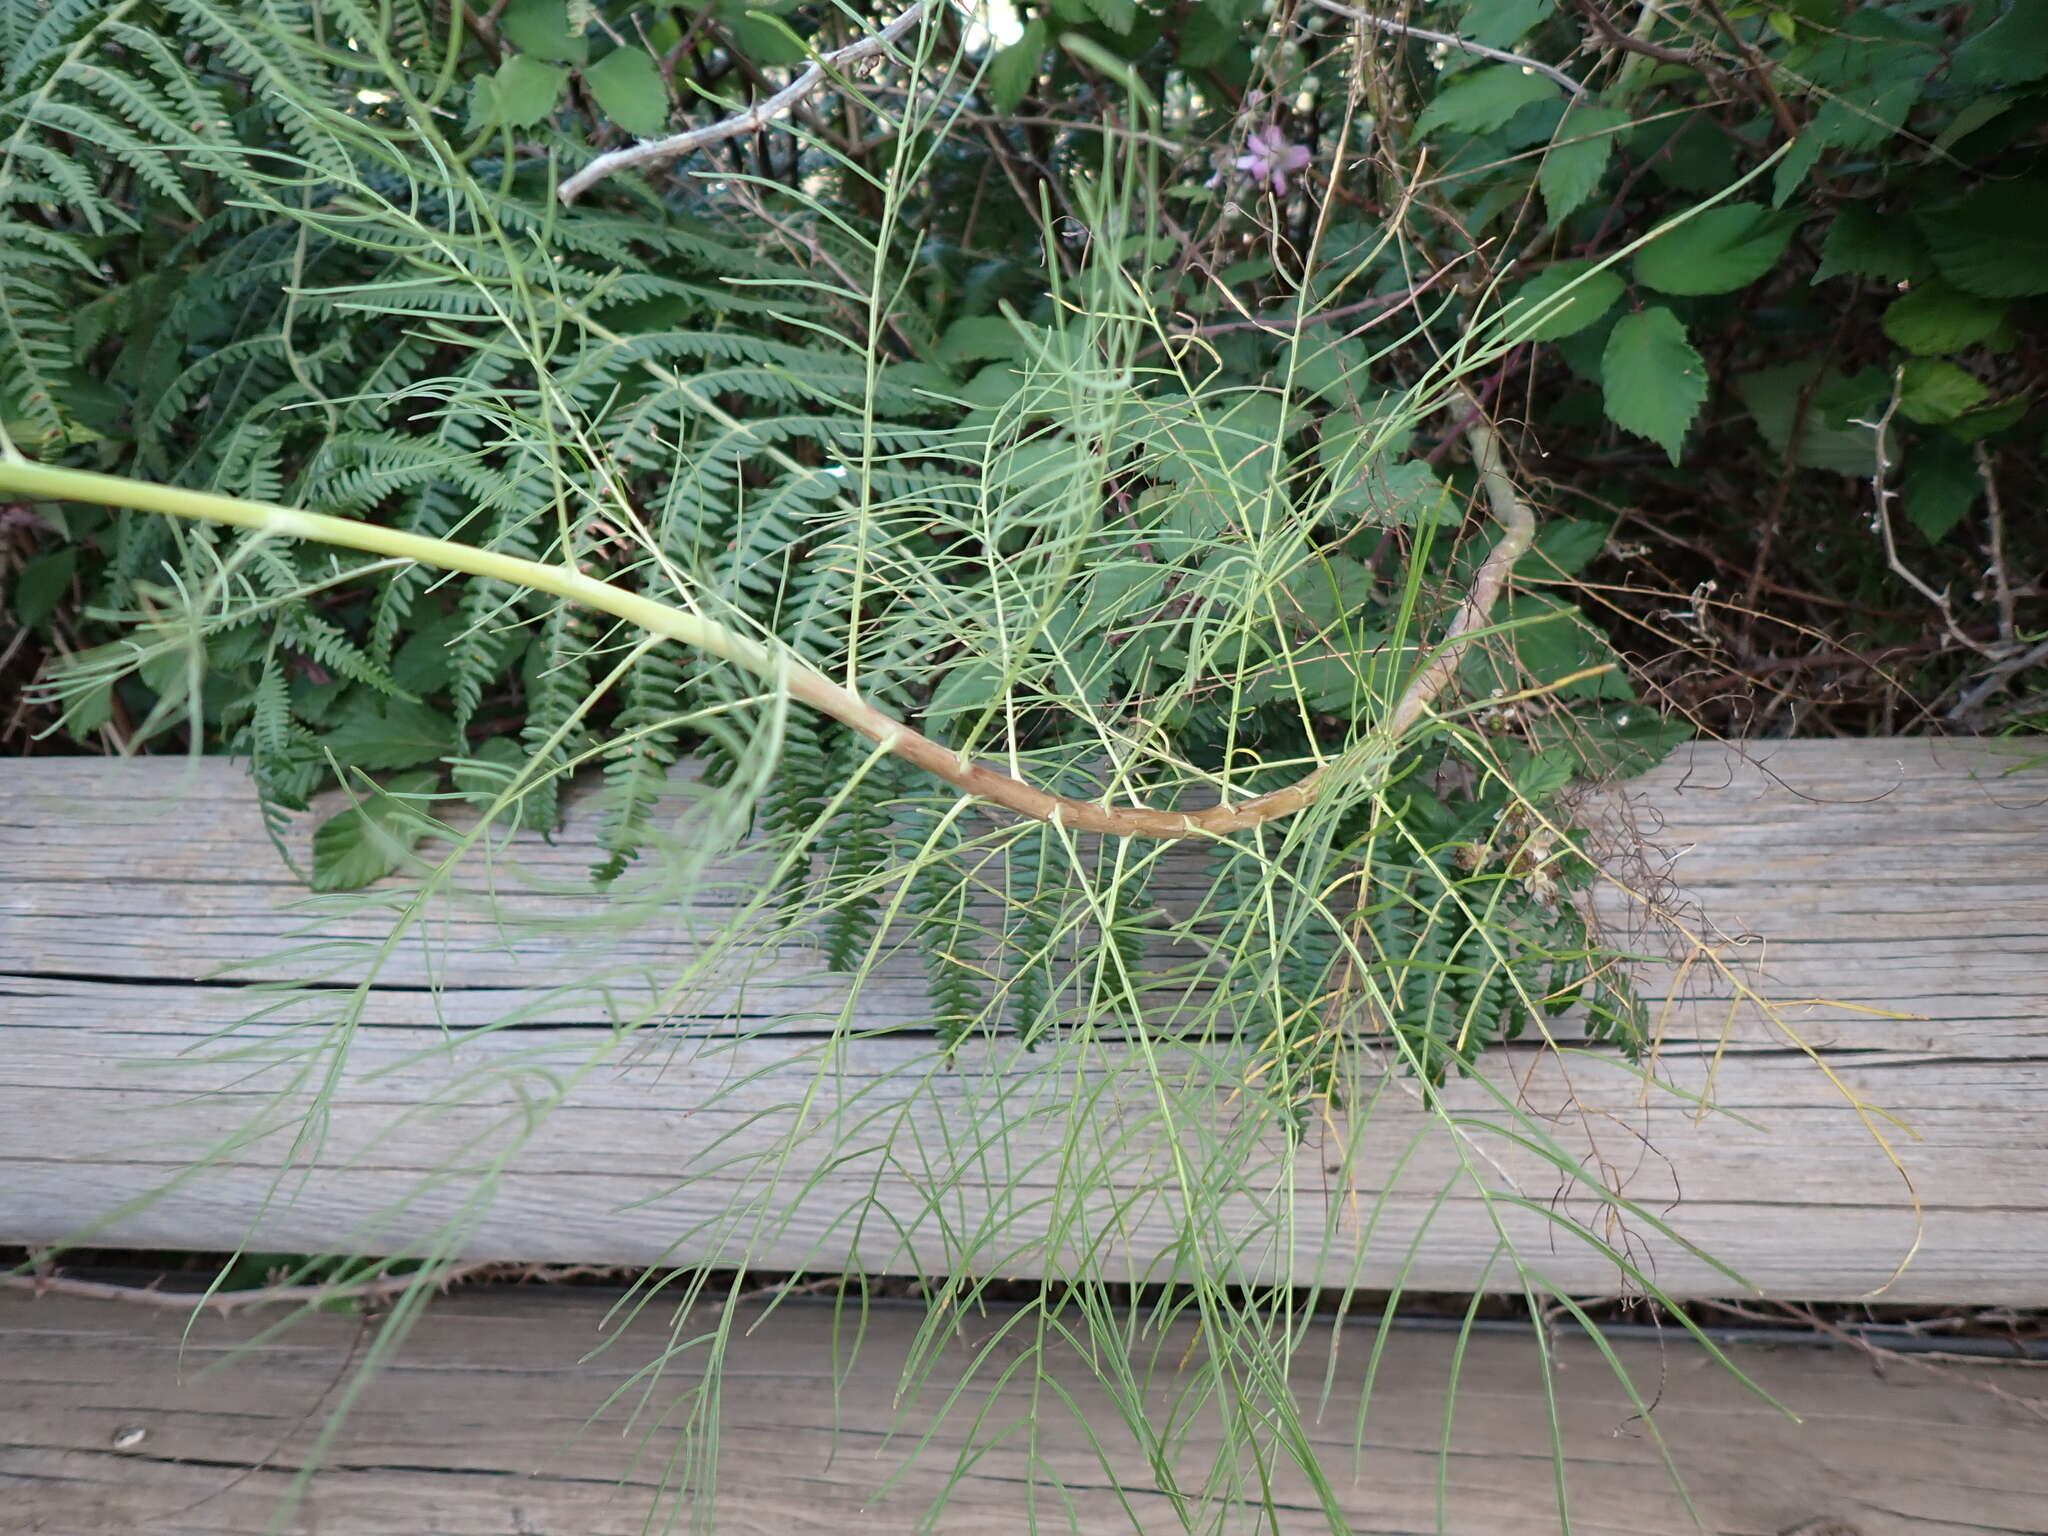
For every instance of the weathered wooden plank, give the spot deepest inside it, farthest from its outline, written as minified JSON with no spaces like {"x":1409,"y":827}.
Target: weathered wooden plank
{"x":115,"y":1421}
{"x":1896,"y":875}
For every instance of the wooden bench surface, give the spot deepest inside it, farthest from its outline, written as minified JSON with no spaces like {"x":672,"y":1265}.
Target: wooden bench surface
{"x":116,"y":1421}
{"x":1904,"y":881}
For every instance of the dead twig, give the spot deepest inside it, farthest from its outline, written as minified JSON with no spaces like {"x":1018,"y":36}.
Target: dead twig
{"x":1938,"y":1363}
{"x":1394,"y":28}
{"x":1760,"y":70}
{"x":1997,"y":678}
{"x":1884,"y":495}
{"x":2001,"y":581}
{"x":759,"y":115}
{"x":224,"y":1302}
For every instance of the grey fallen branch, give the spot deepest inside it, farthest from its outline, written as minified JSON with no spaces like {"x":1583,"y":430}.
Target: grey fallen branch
{"x":1394,"y":28}
{"x":759,"y":115}
{"x":225,"y":1302}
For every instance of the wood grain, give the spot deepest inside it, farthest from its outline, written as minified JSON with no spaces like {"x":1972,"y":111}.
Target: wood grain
{"x":1906,"y":882}
{"x":116,"y":1421}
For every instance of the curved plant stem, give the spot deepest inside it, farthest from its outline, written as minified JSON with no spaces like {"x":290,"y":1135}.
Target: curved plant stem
{"x":804,"y":683}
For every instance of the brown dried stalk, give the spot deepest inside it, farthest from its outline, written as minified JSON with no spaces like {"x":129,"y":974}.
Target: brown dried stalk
{"x":759,"y":115}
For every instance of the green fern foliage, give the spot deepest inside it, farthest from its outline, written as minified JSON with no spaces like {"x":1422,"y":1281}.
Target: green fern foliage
{"x":374,"y":316}
{"x":297,"y":252}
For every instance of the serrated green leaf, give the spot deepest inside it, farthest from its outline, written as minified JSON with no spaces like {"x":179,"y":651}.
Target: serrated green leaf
{"x":1014,"y":71}
{"x":426,"y":662}
{"x":1980,"y":113}
{"x":765,"y":40}
{"x":1858,"y":117}
{"x":1774,"y":396}
{"x":1501,"y":23}
{"x":1378,"y":427}
{"x":1206,"y":39}
{"x":380,"y":733}
{"x":1227,"y":446}
{"x":1333,"y":369}
{"x":541,"y":28}
{"x":1409,"y":494}
{"x":372,"y":838}
{"x":1994,"y":241}
{"x":1941,"y":486}
{"x":1539,"y":775}
{"x":1934,"y":318}
{"x":89,"y":709}
{"x":1933,"y":391}
{"x":1545,"y":640}
{"x":981,"y":338}
{"x":1572,"y":170}
{"x":1864,"y":243}
{"x":1189,"y":523}
{"x":1653,"y":381}
{"x":1612,"y":740}
{"x":1687,"y":152}
{"x":2011,"y":50}
{"x":1983,"y":420}
{"x":1567,"y":545}
{"x":1117,"y":15}
{"x":627,"y":85}
{"x":1326,"y":590}
{"x":1327,"y":680}
{"x":1592,"y":295}
{"x":524,"y":91}
{"x":41,"y":585}
{"x":1483,"y":100}
{"x":969,"y":687}
{"x":1717,"y":251}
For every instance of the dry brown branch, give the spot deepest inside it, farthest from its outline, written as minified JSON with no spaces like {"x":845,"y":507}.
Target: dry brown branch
{"x":1884,"y":495}
{"x":1933,"y":1361}
{"x":224,"y":1302}
{"x":2001,"y":579}
{"x":759,"y":115}
{"x":1394,"y":28}
{"x":1994,"y":680}
{"x":1760,"y":70}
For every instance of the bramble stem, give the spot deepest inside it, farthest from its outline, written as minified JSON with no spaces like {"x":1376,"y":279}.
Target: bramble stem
{"x":805,"y":683}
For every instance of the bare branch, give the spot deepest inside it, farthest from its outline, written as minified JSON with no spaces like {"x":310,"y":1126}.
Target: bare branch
{"x":1451,"y":40}
{"x":1880,"y":486}
{"x":2001,"y":579}
{"x":759,"y":115}
{"x":1998,"y":678}
{"x":234,"y":1301}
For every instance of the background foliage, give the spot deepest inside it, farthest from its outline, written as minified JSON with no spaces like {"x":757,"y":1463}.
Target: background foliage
{"x":1087,"y":385}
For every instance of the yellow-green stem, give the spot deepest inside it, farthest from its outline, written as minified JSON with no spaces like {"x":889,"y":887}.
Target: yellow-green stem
{"x":777,"y":665}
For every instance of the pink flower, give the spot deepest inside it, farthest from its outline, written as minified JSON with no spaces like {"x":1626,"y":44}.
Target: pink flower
{"x":1269,"y":158}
